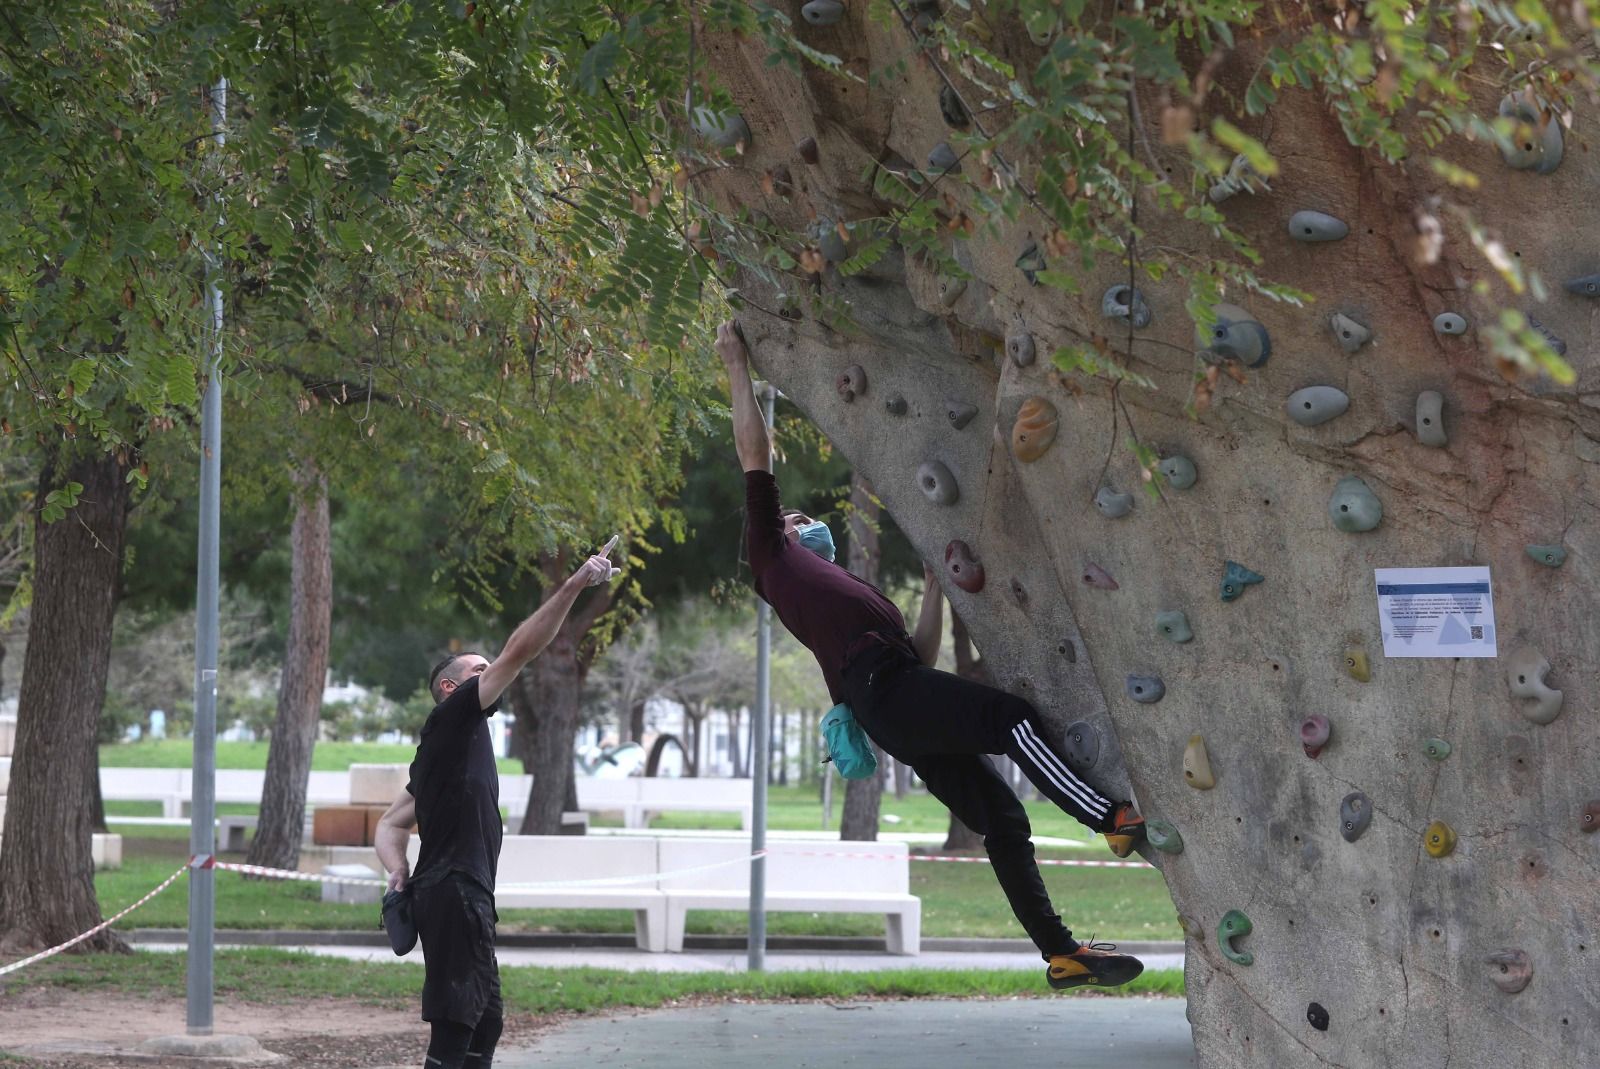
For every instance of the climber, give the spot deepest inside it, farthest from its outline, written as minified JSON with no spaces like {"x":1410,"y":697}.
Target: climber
{"x":939,"y":724}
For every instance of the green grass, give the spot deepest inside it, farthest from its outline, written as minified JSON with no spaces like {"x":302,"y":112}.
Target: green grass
{"x":272,"y":976}
{"x":957,"y":900}
{"x":325,"y":757}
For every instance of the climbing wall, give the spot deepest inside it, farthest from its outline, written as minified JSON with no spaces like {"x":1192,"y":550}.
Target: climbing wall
{"x":1378,"y":861}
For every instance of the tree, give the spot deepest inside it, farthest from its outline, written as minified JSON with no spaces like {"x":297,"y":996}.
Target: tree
{"x":863,"y":797}
{"x":969,"y":665}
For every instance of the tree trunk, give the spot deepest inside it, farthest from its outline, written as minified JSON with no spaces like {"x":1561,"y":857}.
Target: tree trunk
{"x":635,"y":724}
{"x":969,"y":665}
{"x":735,"y":719}
{"x":46,"y":870}
{"x":305,"y":674}
{"x":781,"y":743}
{"x":863,"y":797}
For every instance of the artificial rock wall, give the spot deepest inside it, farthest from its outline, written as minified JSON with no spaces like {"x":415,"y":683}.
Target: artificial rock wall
{"x":1414,"y":957}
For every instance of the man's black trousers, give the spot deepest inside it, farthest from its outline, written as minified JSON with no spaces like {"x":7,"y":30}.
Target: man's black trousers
{"x":461,"y":985}
{"x":943,"y":726}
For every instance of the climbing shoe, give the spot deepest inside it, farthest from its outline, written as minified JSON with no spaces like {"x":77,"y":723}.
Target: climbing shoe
{"x":1092,"y":963}
{"x":1126,"y":831}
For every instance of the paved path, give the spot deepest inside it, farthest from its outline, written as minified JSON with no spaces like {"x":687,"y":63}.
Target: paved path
{"x":1082,"y":1033}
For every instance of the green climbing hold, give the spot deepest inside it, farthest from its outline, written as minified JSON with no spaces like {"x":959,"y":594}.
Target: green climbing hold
{"x":1235,"y":925}
{"x":1235,"y":577}
{"x":1173,"y":626}
{"x":1163,"y":836}
{"x":1437,"y":749}
{"x":1550,"y":556}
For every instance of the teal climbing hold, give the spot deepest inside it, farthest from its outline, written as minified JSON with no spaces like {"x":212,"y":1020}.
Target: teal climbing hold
{"x":943,"y":159}
{"x":1180,"y":472}
{"x":1031,"y":262}
{"x":1311,"y":226}
{"x":1236,"y":335}
{"x":823,"y":12}
{"x":1235,"y":925}
{"x":1354,"y":507}
{"x":1550,"y":556}
{"x":1535,"y":142}
{"x":1163,"y":836}
{"x":1121,"y":302}
{"x":1173,"y":626}
{"x":1436,"y":749}
{"x":1111,"y":504}
{"x":724,"y":129}
{"x":1146,"y":690}
{"x":1350,"y":335}
{"x":1316,"y":404}
{"x":1235,"y":577}
{"x":1449,"y":323}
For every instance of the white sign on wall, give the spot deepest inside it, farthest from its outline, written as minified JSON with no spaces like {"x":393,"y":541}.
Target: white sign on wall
{"x":1436,"y":612}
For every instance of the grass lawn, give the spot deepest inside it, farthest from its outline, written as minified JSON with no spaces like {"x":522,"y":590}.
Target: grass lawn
{"x":325,"y":756}
{"x":957,"y":900}
{"x":260,"y":975}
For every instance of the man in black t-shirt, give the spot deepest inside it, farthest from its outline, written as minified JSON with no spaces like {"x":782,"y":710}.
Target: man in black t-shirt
{"x":453,"y":799}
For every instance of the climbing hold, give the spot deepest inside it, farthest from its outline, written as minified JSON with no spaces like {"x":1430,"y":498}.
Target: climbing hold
{"x":1083,"y":747}
{"x":1430,"y":419}
{"x":1163,"y":836}
{"x":1031,"y":262}
{"x":1439,"y":840}
{"x":1316,"y":404}
{"x":1237,"y":335}
{"x":1449,"y":323}
{"x":1586,"y":286}
{"x":1019,"y":347}
{"x":1318,"y":1016}
{"x":1173,"y":626}
{"x":1068,"y":650}
{"x":1316,"y":226}
{"x":1314,"y":732}
{"x":943,"y":159}
{"x":1550,"y":556}
{"x":1018,"y":591}
{"x":964,"y":569}
{"x":1035,"y":429}
{"x":724,"y":129}
{"x":1111,"y":504}
{"x":1118,"y":304}
{"x":927,"y":12}
{"x":1235,"y":925}
{"x":959,"y":413}
{"x":1196,"y":765}
{"x":1354,"y":508}
{"x":851,"y":383}
{"x":1098,"y":577}
{"x":1241,"y":178}
{"x":937,"y":483}
{"x":1511,"y":970}
{"x":1180,"y":472}
{"x":1350,"y":335}
{"x":1525,"y":670}
{"x":823,"y":12}
{"x":1041,"y":24}
{"x":1589,"y":819}
{"x":1235,"y":577}
{"x":1355,"y":662}
{"x":895,"y":405}
{"x":1557,"y":345}
{"x":807,"y":147}
{"x":1146,"y":690}
{"x":954,"y":111}
{"x":1355,"y":814}
{"x":950,"y":290}
{"x":831,"y":243}
{"x":1535,"y":142}
{"x":1436,"y":749}
{"x":782,"y":180}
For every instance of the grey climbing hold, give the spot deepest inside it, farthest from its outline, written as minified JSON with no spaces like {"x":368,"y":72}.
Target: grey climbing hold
{"x":1537,"y":700}
{"x":1146,"y":690}
{"x":954,"y":111}
{"x":1557,"y":345}
{"x":1316,"y":404}
{"x":1082,"y":747}
{"x":823,"y":12}
{"x":937,"y":483}
{"x":1173,"y":626}
{"x":1018,"y":591}
{"x":1549,"y":556}
{"x":950,"y":290}
{"x":1350,"y":335}
{"x":1436,"y":749}
{"x":959,"y":413}
{"x":1314,"y":734}
{"x":1162,"y":835}
{"x":1031,"y":262}
{"x":1236,"y":335}
{"x":1019,"y":347}
{"x":724,"y":129}
{"x":1125,"y":302}
{"x":1111,"y":504}
{"x":1316,"y":226}
{"x":1180,"y":472}
{"x":1098,"y":577}
{"x":895,"y":405}
{"x":943,"y":159}
{"x":833,"y":246}
{"x":1355,"y":815}
{"x":1510,"y":969}
{"x":1235,"y":577}
{"x":1449,"y":323}
{"x":1067,"y":650}
{"x":1535,"y":142}
{"x":851,"y":383}
{"x":1241,"y":178}
{"x":1430,"y":419}
{"x":1584,"y":285}
{"x":1354,"y":507}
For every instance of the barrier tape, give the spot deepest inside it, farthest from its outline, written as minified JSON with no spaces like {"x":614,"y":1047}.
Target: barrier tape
{"x":97,"y":929}
{"x":596,"y":881}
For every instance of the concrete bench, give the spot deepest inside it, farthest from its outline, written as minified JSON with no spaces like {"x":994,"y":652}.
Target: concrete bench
{"x":173,"y":787}
{"x":798,"y":881}
{"x":637,"y":798}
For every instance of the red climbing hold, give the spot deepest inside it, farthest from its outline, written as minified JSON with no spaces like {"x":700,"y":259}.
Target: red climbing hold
{"x":963,"y":568}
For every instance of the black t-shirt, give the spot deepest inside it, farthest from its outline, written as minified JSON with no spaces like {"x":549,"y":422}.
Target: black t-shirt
{"x":457,"y":789}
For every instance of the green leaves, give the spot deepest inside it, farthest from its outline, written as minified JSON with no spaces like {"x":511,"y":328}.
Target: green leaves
{"x":598,"y":62}
{"x":58,"y":501}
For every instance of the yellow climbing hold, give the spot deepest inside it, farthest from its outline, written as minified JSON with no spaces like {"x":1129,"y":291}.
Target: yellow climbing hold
{"x":1439,"y":840}
{"x":1196,"y":765}
{"x":1355,"y":662}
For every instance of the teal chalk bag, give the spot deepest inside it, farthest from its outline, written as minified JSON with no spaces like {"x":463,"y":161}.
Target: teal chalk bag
{"x":848,"y":746}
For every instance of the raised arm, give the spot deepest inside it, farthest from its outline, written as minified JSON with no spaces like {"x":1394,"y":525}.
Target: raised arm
{"x":750,"y":436}
{"x":392,"y":836}
{"x":534,"y":634}
{"x":930,"y":621}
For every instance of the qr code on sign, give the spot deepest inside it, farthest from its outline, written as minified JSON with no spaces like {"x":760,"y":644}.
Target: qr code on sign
{"x":1477,"y":634}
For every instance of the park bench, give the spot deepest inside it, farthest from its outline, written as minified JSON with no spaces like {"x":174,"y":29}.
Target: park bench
{"x":637,"y":798}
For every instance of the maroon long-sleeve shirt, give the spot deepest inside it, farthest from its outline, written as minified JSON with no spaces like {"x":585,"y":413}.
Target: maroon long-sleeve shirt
{"x":823,"y":605}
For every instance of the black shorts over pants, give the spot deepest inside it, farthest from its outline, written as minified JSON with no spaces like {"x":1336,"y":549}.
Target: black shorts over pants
{"x":455,"y":921}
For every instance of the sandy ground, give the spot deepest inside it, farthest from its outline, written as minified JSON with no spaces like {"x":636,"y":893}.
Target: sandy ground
{"x":65,"y":1029}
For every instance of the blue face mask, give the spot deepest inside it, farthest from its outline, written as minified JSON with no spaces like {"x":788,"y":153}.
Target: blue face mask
{"x":817,"y":538}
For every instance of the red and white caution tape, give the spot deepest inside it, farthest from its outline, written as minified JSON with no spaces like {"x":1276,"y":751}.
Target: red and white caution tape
{"x":96,"y":930}
{"x":597,"y":881}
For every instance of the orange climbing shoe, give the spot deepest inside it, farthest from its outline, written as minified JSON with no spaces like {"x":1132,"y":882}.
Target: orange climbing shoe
{"x":1127,"y":830}
{"x":1092,"y":963}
